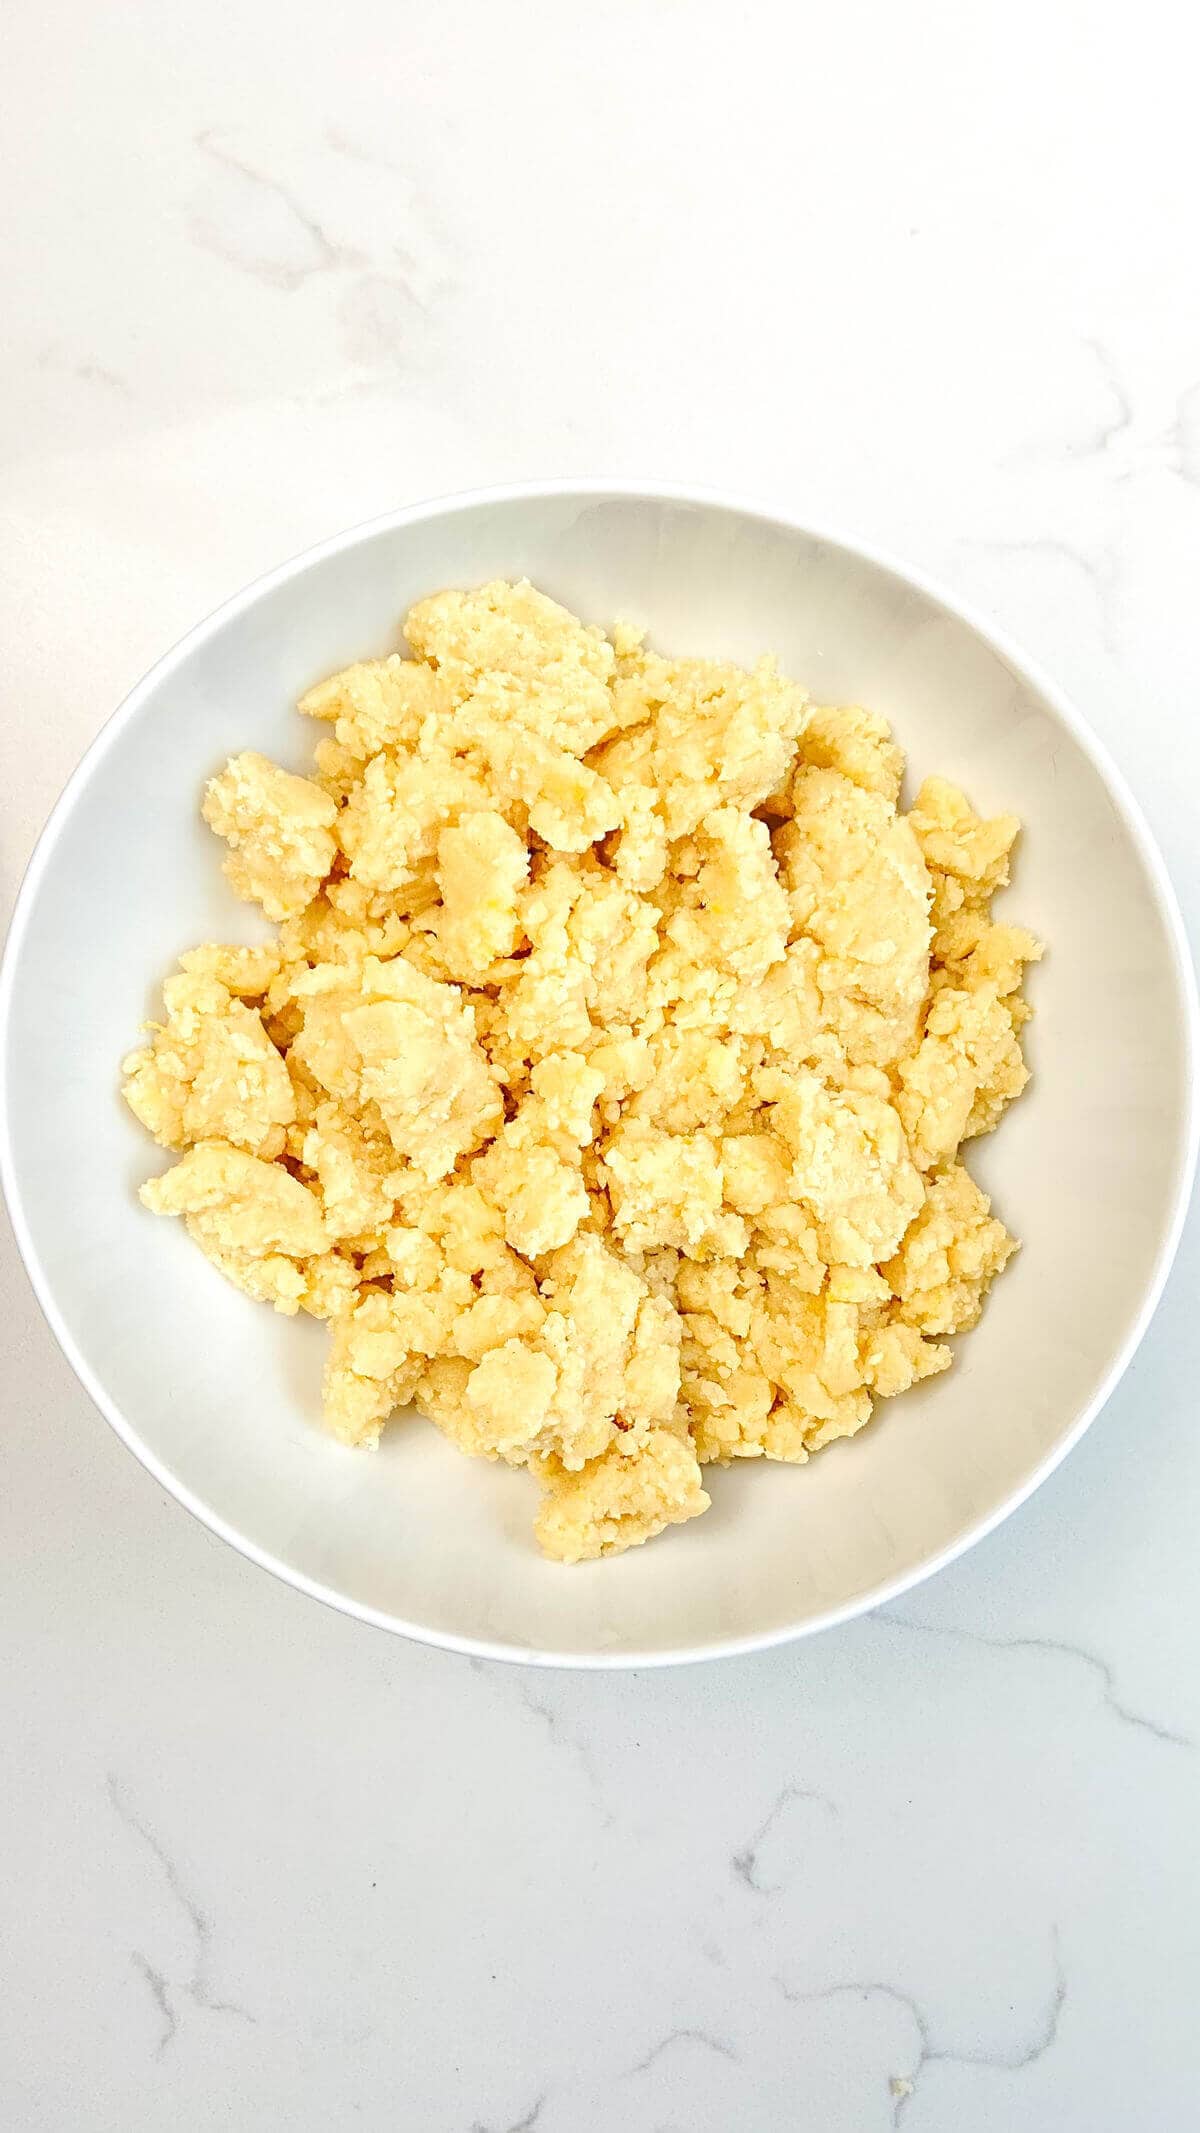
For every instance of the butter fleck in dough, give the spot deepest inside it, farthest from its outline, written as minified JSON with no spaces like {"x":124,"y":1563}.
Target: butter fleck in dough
{"x":605,"y":1083}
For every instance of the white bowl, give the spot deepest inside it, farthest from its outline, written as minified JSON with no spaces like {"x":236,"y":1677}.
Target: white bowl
{"x":219,"y":1397}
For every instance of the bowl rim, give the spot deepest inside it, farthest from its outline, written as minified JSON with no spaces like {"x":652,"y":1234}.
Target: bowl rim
{"x":597,"y":489}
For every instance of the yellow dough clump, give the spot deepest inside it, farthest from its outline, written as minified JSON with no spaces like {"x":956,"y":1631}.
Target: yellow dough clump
{"x":605,"y":1083}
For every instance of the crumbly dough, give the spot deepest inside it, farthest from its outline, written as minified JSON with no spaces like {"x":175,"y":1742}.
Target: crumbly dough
{"x":605,"y":1083}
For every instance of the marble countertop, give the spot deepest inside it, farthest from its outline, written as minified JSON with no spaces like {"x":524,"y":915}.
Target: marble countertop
{"x":922,"y":273}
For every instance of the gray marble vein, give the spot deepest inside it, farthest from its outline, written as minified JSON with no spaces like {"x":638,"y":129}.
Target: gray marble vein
{"x":683,"y":2036}
{"x":905,"y":2086}
{"x":1120,"y":420}
{"x":519,"y":2125}
{"x":158,"y":1991}
{"x":1097,"y":436}
{"x":562,"y":1736}
{"x":382,"y":319}
{"x":53,"y":358}
{"x":363,"y":222}
{"x":745,"y":1862}
{"x":354,"y":151}
{"x":1098,"y":1666}
{"x":1098,"y":568}
{"x":297,"y":245}
{"x":100,"y":374}
{"x":197,"y":1986}
{"x":421,"y":237}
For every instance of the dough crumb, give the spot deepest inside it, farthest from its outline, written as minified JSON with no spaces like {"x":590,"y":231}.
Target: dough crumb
{"x":605,"y":1083}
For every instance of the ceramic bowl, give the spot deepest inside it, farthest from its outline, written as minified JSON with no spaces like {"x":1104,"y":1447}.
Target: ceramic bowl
{"x":219,"y":1397}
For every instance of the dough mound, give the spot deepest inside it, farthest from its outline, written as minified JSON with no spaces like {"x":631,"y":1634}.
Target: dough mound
{"x":604,"y":1082}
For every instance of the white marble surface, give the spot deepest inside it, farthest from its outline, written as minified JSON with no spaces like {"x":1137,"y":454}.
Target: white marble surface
{"x":925,"y":271}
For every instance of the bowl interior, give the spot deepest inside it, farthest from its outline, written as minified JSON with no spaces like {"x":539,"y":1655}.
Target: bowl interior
{"x":222,"y":1397}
